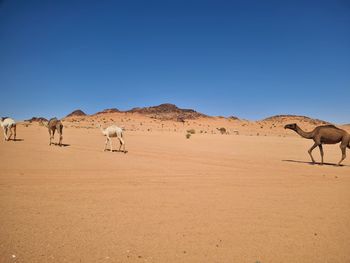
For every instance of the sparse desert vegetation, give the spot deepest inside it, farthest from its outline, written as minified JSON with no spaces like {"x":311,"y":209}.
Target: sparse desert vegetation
{"x":191,"y":131}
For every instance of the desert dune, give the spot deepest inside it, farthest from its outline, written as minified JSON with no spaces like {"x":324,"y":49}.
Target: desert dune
{"x":247,"y":196}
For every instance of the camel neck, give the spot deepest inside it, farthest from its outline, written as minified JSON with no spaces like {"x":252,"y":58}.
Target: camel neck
{"x":304,"y":134}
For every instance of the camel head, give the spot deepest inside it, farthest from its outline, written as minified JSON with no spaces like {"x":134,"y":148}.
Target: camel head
{"x":292,"y":126}
{"x":102,"y":130}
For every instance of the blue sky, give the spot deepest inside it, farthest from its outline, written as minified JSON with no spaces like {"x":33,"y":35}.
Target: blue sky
{"x":249,"y":58}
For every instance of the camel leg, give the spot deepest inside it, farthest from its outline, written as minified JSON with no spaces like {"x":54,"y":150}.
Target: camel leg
{"x":14,"y":130}
{"x":5,"y":133}
{"x":310,"y":151}
{"x":52,"y":135}
{"x":343,"y":151}
{"x":59,"y":129}
{"x":105,"y":144}
{"x":122,"y":143}
{"x":110,"y":144}
{"x":10,"y":130}
{"x":321,"y":152}
{"x":60,"y":141}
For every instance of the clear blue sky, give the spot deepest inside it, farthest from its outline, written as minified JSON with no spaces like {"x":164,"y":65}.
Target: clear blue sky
{"x":247,"y":58}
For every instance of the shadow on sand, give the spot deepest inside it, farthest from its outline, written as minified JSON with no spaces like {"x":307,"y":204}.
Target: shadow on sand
{"x":17,"y":140}
{"x":316,"y":163}
{"x":62,"y":145}
{"x":116,"y":151}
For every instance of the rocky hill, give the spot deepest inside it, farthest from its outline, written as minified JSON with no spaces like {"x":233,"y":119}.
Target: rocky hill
{"x":233,"y":118}
{"x":37,"y":119}
{"x":112,"y":110}
{"x":168,"y":111}
{"x":294,"y":118}
{"x":76,"y":113}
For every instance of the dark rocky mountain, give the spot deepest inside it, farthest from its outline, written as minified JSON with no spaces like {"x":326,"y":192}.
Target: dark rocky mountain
{"x":168,"y":111}
{"x":76,"y":113}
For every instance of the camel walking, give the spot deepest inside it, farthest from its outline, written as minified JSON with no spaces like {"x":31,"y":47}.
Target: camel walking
{"x":326,"y":134}
{"x":8,"y":124}
{"x":53,"y":125}
{"x":110,"y":132}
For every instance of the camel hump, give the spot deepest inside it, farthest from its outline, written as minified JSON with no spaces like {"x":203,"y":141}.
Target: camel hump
{"x":4,"y":118}
{"x":53,"y":121}
{"x":331,"y":126}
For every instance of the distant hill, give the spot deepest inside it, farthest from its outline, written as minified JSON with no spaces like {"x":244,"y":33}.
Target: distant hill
{"x":112,"y":110}
{"x":295,"y":118}
{"x":168,"y":111}
{"x":76,"y":113}
{"x":233,"y":118}
{"x":37,"y":119}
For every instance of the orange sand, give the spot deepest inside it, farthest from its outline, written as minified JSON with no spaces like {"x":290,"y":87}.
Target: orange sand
{"x":210,"y":198}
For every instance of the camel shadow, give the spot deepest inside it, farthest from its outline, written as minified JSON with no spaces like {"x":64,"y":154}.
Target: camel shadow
{"x":117,"y":151}
{"x":316,"y":163}
{"x":62,"y":144}
{"x":17,"y":140}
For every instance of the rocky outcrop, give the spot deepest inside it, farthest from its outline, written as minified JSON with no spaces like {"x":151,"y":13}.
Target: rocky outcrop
{"x":168,"y":111}
{"x":76,"y":113}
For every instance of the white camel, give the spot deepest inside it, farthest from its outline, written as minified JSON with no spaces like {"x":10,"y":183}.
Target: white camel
{"x":8,"y":124}
{"x":110,"y":132}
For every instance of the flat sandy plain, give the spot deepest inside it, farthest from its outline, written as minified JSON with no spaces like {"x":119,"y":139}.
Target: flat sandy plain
{"x":210,"y":198}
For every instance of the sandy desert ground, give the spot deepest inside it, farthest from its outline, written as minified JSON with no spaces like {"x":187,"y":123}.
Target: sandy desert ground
{"x":210,"y":198}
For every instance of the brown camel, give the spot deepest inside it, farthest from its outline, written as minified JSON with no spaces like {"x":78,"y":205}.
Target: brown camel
{"x":53,"y":125}
{"x":326,"y":134}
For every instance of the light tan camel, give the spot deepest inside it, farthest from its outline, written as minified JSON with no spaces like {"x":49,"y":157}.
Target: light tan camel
{"x":53,"y":125}
{"x":326,"y":134}
{"x":113,"y":131}
{"x":8,"y":124}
